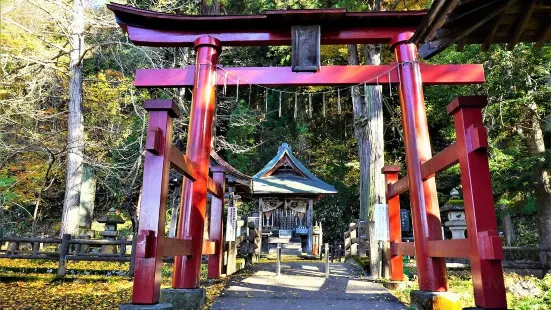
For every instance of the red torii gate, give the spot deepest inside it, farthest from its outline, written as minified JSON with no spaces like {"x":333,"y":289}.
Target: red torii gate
{"x":207,"y":34}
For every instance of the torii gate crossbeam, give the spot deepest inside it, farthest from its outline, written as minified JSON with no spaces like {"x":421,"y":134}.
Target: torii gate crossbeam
{"x":328,"y":75}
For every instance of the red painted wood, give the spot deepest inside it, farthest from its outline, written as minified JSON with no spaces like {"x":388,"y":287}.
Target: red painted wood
{"x":454,"y":248}
{"x":402,"y":248}
{"x":182,"y":164}
{"x":399,"y":187}
{"x":259,"y":36}
{"x":149,"y":259}
{"x":330,"y":16}
{"x":187,"y":269}
{"x":272,"y":28}
{"x":485,"y":250}
{"x":152,"y":140}
{"x":423,"y":198}
{"x":175,"y":247}
{"x":328,"y":75}
{"x":209,"y":247}
{"x":395,"y":225}
{"x":216,"y":224}
{"x":440,"y":162}
{"x":214,"y":188}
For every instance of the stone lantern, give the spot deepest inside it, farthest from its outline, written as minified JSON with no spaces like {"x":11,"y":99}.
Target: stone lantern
{"x":454,"y":212}
{"x":111,"y":219}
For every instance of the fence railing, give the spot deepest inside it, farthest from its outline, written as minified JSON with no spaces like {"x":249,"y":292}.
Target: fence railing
{"x":355,"y":239}
{"x":68,"y":249}
{"x":65,"y":249}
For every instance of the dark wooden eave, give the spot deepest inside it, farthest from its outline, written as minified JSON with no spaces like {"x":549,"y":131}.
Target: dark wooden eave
{"x":483,"y":22}
{"x":271,"y":28}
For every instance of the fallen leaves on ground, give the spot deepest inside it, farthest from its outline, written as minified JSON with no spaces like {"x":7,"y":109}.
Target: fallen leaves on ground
{"x":22,"y":287}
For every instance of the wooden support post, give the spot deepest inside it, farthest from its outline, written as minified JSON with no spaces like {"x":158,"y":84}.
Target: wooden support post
{"x":231,"y":245}
{"x":310,"y":223}
{"x":63,"y":253}
{"x":278,"y":261}
{"x":36,"y":248}
{"x":260,"y":222}
{"x":423,"y":197}
{"x":216,"y":229}
{"x":396,"y":262}
{"x":187,"y":269}
{"x":485,"y":251}
{"x":151,"y":228}
{"x":326,"y":249}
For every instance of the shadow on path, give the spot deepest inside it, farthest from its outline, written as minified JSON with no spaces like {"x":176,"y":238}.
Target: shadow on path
{"x":302,"y":285}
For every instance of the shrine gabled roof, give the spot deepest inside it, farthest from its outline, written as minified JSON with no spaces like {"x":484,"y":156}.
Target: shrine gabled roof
{"x":231,"y":172}
{"x":302,"y":181}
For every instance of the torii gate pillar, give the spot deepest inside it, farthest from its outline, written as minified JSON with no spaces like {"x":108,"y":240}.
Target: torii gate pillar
{"x":187,"y":269}
{"x":423,"y":198}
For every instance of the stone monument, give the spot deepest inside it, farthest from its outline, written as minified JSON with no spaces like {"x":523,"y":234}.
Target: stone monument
{"x":111,"y":219}
{"x":454,"y":212}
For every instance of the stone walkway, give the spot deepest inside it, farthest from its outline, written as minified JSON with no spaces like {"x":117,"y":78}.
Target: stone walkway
{"x":302,"y":285}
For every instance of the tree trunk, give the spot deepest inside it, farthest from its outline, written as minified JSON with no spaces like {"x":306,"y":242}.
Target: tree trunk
{"x":508,"y":227}
{"x":87,"y":198}
{"x":210,"y":7}
{"x":175,"y":207}
{"x":368,"y":130}
{"x":542,"y":175}
{"x":75,"y":127}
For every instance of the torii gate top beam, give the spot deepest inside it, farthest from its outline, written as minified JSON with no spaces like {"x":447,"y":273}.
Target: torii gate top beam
{"x":272,"y":28}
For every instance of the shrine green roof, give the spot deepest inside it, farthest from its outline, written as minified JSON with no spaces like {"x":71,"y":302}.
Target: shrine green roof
{"x":268,"y":182}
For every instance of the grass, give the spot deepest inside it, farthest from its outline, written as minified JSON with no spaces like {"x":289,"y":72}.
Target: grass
{"x":32,"y":284}
{"x":460,"y":282}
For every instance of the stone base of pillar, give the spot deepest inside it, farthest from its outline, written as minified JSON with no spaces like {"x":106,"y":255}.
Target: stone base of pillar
{"x":426,"y":300}
{"x":476,"y":308}
{"x":394,"y":285}
{"x":184,"y":299}
{"x":146,"y":307}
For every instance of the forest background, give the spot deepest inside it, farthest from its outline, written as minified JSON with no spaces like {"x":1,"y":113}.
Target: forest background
{"x":38,"y":65}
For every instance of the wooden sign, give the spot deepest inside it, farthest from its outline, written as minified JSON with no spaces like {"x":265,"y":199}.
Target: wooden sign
{"x":381,"y":222}
{"x":231,"y":224}
{"x":404,"y":219}
{"x":306,"y":48}
{"x":285,"y":233}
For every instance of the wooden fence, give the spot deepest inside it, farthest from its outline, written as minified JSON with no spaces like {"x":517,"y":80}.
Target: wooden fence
{"x":514,"y":257}
{"x":67,"y":248}
{"x":355,"y":239}
{"x":246,"y":245}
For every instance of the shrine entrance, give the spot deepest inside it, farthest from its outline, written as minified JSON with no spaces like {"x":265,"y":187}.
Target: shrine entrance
{"x":305,"y":31}
{"x":286,"y":191}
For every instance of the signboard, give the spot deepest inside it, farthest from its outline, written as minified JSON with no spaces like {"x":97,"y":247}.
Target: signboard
{"x":301,"y":230}
{"x":381,"y":222}
{"x":231,"y":224}
{"x":404,"y":219}
{"x":285,"y":233}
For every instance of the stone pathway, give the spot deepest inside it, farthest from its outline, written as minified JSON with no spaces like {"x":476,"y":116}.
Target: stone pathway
{"x":302,"y":285}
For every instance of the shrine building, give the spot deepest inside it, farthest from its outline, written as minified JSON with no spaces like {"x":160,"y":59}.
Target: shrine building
{"x":286,"y":191}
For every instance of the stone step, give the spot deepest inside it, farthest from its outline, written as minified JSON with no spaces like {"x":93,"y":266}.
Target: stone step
{"x":284,"y":239}
{"x":285,"y":251}
{"x":278,"y":240}
{"x":291,"y":246}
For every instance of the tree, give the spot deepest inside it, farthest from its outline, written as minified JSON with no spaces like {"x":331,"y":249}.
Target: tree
{"x":75,"y":128}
